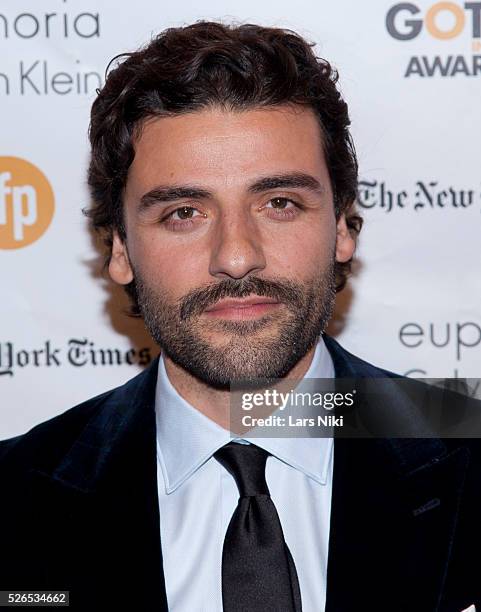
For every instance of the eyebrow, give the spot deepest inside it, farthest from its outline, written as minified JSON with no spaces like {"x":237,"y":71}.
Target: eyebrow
{"x":171,"y":193}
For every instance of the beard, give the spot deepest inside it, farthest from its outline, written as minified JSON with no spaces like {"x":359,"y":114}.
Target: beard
{"x":221,"y":352}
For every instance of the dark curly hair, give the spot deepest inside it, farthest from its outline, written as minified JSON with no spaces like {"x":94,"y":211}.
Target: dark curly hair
{"x":212,"y":64}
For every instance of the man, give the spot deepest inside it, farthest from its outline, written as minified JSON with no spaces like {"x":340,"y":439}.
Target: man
{"x":223,"y":180}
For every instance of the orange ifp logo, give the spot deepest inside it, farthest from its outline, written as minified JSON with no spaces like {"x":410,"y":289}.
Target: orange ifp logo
{"x":26,"y":203}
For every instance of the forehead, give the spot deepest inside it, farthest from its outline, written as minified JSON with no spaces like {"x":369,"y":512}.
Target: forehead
{"x":218,"y":146}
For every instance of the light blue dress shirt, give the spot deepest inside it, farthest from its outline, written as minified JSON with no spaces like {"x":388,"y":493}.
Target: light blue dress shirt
{"x":197,"y":497}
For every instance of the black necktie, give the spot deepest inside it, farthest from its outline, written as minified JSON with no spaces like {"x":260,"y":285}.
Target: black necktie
{"x":258,"y":572}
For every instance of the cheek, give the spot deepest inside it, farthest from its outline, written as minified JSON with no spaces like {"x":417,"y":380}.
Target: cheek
{"x":300,"y":252}
{"x":172,"y":269}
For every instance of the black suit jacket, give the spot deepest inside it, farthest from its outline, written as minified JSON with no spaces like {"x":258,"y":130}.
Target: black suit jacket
{"x":79,"y":510}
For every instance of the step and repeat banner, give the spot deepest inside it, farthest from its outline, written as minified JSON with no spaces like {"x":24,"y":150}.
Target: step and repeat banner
{"x":411,"y":73}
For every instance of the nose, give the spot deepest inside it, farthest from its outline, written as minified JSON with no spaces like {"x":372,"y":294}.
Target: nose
{"x":237,"y":247}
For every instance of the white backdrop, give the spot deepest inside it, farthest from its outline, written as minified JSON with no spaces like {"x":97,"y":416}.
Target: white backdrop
{"x":414,"y":94}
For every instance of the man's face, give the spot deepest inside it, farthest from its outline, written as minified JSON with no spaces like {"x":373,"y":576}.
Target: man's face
{"x":232,"y":239}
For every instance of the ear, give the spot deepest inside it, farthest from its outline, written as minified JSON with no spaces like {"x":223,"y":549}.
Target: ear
{"x":119,"y":267}
{"x":345,"y":243}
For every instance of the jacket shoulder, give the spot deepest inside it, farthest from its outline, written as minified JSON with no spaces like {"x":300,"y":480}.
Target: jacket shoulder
{"x":57,"y":433}
{"x":348,"y":365}
{"x":46,"y":443}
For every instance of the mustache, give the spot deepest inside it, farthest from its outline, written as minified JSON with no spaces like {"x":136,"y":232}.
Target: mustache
{"x":196,"y":301}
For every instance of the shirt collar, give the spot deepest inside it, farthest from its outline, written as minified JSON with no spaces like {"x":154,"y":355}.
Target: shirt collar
{"x":186,"y":438}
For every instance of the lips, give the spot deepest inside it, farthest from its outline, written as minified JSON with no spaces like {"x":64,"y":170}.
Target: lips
{"x":242,"y":303}
{"x":244,"y":309}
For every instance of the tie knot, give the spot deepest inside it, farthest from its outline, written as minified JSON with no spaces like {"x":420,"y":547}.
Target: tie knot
{"x":247,"y":464}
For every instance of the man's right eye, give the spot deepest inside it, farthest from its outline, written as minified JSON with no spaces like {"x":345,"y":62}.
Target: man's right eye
{"x":182,"y":218}
{"x":184,"y":212}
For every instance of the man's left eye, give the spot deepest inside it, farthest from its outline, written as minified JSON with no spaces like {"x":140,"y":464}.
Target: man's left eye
{"x":281,"y":203}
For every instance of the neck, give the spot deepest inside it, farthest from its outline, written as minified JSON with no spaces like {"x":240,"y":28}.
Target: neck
{"x":215,"y":403}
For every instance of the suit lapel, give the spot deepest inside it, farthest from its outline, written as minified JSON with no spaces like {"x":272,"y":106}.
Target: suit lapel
{"x":393,"y":516}
{"x":101,"y":505}
{"x":391,"y":534}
